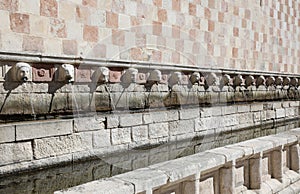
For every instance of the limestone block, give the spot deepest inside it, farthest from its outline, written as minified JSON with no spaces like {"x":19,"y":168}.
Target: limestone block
{"x":243,"y":108}
{"x":256,"y":145}
{"x":59,"y":102}
{"x":127,"y":120}
{"x":55,"y":146}
{"x":270,"y":114}
{"x":229,"y":120}
{"x":33,"y":130}
{"x":160,"y":116}
{"x":211,"y":111}
{"x":156,"y":99}
{"x":227,"y":178}
{"x":207,"y":186}
{"x":89,"y":123}
{"x":112,"y":121}
{"x":189,"y":113}
{"x":230,"y":154}
{"x":103,"y":186}
{"x":15,"y":152}
{"x":239,"y":176}
{"x":101,"y":138}
{"x":121,"y":136}
{"x":144,"y":179}
{"x":7,"y":133}
{"x":177,"y":169}
{"x":280,"y":113}
{"x":231,"y":109}
{"x":181,"y":127}
{"x":101,"y":102}
{"x":256,"y":107}
{"x":140,"y":133}
{"x":158,"y":130}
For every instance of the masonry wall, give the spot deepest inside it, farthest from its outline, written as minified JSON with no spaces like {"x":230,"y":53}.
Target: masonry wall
{"x":30,"y":145}
{"x":252,"y":34}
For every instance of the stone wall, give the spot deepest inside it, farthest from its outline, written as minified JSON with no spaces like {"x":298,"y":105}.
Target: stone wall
{"x":263,"y":165}
{"x":35,"y":144}
{"x":253,"y":35}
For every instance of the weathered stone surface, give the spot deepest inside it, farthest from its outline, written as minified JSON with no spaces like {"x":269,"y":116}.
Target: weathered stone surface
{"x":88,"y":124}
{"x":131,"y":120}
{"x":42,"y":129}
{"x":230,"y":154}
{"x":181,"y":127}
{"x":140,"y":133}
{"x":211,"y":111}
{"x":207,"y":185}
{"x":161,"y":116}
{"x":55,"y":146}
{"x":256,"y":107}
{"x":120,"y":136}
{"x":158,"y":130}
{"x":15,"y":152}
{"x":7,"y":133}
{"x":144,"y":179}
{"x":189,"y":113}
{"x":280,"y":113}
{"x":104,"y":186}
{"x":101,"y":138}
{"x":112,"y":121}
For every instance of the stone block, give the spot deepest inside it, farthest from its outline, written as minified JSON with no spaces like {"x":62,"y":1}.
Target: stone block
{"x":55,"y":146}
{"x":101,"y":138}
{"x":270,"y":114}
{"x":7,"y":133}
{"x":211,"y":111}
{"x":42,"y":129}
{"x":256,"y":107}
{"x":189,"y":113}
{"x":230,"y":154}
{"x":140,"y":133}
{"x":127,"y":120}
{"x":231,"y":109}
{"x":280,"y":113}
{"x":144,"y":179}
{"x":89,"y":124}
{"x":120,"y":136}
{"x":181,"y":127}
{"x":15,"y":152}
{"x":158,"y":130}
{"x":162,"y":116}
{"x":294,"y":103}
{"x":103,"y":186}
{"x":112,"y":121}
{"x":243,"y":108}
{"x":207,"y":186}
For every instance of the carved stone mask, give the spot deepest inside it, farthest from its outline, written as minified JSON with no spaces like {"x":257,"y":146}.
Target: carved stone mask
{"x":22,"y":72}
{"x":130,"y":76}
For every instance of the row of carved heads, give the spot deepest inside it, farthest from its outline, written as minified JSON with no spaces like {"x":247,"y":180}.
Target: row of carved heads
{"x":21,"y":72}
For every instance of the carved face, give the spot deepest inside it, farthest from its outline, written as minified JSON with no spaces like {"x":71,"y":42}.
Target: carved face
{"x":66,"y":72}
{"x":105,"y":75}
{"x":22,"y":72}
{"x":155,"y":75}
{"x":130,"y":75}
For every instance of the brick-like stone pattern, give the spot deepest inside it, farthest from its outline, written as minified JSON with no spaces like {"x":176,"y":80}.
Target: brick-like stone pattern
{"x":122,"y":131}
{"x":196,"y":30}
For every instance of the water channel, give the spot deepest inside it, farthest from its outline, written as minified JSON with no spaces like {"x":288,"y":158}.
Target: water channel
{"x":57,"y":178}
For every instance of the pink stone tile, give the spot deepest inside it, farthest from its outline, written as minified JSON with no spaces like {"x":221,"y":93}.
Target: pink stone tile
{"x":115,"y":75}
{"x":175,"y":31}
{"x":19,"y":22}
{"x":162,"y":15}
{"x":70,"y":47}
{"x":91,"y":3}
{"x":58,"y":28}
{"x":82,"y":14}
{"x":90,"y":33}
{"x":156,"y":56}
{"x":33,"y":44}
{"x":192,"y":9}
{"x":176,"y":5}
{"x":157,"y":3}
{"x":99,"y":51}
{"x":164,"y":78}
{"x":48,"y":8}
{"x":112,"y":20}
{"x":141,"y":78}
{"x":42,"y":72}
{"x":118,"y":37}
{"x":207,"y":13}
{"x":136,"y":53}
{"x":82,"y":75}
{"x":157,"y":28}
{"x":211,"y":25}
{"x":9,"y":5}
{"x":118,"y":6}
{"x":234,"y":52}
{"x":175,"y":57}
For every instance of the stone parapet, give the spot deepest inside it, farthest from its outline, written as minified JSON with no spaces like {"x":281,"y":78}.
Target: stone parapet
{"x":253,"y":166}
